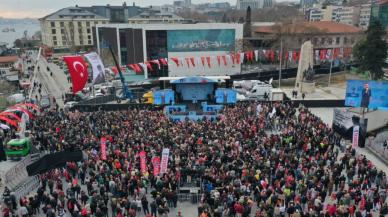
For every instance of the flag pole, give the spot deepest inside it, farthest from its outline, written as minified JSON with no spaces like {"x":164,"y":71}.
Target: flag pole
{"x":281,"y":58}
{"x":331,"y":65}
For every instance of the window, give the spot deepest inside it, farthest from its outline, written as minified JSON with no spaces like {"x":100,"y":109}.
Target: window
{"x":55,"y":43}
{"x":53,"y":31}
{"x":315,"y":41}
{"x":88,"y":30}
{"x":62,"y":31}
{"x":323,"y":41}
{"x":54,"y":38}
{"x":87,"y":23}
{"x":89,"y":37}
{"x":63,"y":38}
{"x":79,"y":31}
{"x":89,"y":41}
{"x":52,"y":24}
{"x":352,"y":40}
{"x":62,"y":24}
{"x":330,"y":41}
{"x":79,"y":24}
{"x":337,"y":40}
{"x":345,"y":40}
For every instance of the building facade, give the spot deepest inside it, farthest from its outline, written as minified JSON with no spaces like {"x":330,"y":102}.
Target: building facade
{"x":380,"y":12}
{"x":314,"y":14}
{"x":254,"y":4}
{"x":70,"y":28}
{"x":138,"y":43}
{"x":323,"y":35}
{"x":115,"y":14}
{"x":152,"y":15}
{"x":341,"y":14}
{"x":364,"y":19}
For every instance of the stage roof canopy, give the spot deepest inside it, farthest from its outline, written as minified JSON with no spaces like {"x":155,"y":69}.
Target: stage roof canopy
{"x":195,"y":79}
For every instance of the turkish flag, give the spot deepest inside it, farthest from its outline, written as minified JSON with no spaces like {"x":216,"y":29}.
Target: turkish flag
{"x":78,"y":71}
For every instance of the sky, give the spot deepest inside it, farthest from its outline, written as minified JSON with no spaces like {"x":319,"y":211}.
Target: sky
{"x":40,"y":8}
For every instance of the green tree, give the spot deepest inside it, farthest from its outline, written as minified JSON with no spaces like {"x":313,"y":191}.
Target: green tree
{"x":371,"y":51}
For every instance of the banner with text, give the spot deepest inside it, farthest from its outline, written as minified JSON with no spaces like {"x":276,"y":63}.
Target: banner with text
{"x":356,"y":133}
{"x":143,"y":162}
{"x":164,"y":163}
{"x":103,"y":148}
{"x":156,"y":165}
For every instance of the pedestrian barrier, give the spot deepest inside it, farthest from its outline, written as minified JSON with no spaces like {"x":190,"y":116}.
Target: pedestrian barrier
{"x":18,"y":173}
{"x":27,"y":187}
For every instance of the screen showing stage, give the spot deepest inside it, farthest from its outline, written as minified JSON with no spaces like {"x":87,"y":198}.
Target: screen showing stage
{"x":195,"y":91}
{"x":367,"y":94}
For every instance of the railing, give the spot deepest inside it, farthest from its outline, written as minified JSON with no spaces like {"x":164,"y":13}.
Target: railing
{"x":18,"y":173}
{"x":27,"y":187}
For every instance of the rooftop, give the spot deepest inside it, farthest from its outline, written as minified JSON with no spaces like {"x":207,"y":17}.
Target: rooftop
{"x":72,"y":12}
{"x":8,"y":59}
{"x":306,"y":27}
{"x":154,"y":13}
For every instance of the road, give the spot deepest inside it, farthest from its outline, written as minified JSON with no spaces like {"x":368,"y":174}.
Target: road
{"x":55,"y":84}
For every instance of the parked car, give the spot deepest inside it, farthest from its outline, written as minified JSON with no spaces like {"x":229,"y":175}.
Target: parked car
{"x":69,"y":105}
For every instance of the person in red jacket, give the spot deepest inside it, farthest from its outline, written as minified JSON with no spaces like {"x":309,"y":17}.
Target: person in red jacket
{"x":239,"y":209}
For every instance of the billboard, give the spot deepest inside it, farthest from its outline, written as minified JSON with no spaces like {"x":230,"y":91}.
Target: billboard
{"x":367,"y":94}
{"x":201,"y":40}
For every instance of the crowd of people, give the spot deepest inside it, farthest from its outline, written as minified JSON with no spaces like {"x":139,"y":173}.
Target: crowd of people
{"x":257,"y":159}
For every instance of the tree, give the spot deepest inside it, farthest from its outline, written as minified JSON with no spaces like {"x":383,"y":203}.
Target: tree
{"x":371,"y":51}
{"x":18,"y":43}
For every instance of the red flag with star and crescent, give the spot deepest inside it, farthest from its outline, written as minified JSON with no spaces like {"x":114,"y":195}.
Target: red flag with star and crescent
{"x":78,"y":71}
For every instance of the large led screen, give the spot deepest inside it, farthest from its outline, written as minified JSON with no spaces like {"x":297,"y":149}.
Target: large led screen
{"x":201,"y":40}
{"x":367,"y":94}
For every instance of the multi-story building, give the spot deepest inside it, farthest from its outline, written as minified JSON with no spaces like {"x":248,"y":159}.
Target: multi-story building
{"x":341,"y":14}
{"x":323,"y":35}
{"x":152,"y":15}
{"x":307,"y":3}
{"x":364,"y":19}
{"x":70,"y":27}
{"x":254,"y":4}
{"x":268,"y":3}
{"x":380,"y":12}
{"x":314,"y":14}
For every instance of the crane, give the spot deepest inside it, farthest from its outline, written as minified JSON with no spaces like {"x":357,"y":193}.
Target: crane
{"x":127,"y":94}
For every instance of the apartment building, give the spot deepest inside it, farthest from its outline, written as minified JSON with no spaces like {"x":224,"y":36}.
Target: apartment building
{"x":70,"y":27}
{"x":341,"y":14}
{"x":254,"y":4}
{"x":364,"y":19}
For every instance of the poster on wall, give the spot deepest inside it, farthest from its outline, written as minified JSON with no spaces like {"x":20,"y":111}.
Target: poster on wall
{"x":367,"y":94}
{"x":201,"y":40}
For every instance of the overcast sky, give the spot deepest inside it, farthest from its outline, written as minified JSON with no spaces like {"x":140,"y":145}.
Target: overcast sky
{"x":40,"y":8}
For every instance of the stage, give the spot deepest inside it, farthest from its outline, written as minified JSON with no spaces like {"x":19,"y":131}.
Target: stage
{"x":194,"y":98}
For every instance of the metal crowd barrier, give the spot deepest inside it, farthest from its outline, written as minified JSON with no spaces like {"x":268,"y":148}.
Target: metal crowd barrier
{"x":18,"y":173}
{"x":27,"y":187}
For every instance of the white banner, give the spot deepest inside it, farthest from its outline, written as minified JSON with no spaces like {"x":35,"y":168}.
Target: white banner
{"x":356,"y":133}
{"x":97,"y":67}
{"x":164,"y":163}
